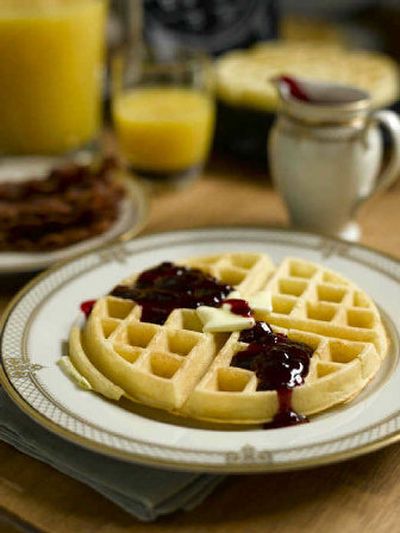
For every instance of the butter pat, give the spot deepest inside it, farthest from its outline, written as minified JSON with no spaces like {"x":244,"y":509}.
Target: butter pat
{"x":222,"y":320}
{"x":259,"y":301}
{"x":66,"y":365}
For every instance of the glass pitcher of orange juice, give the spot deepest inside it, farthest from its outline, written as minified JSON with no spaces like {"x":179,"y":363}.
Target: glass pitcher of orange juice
{"x":51,"y":61}
{"x":163,"y":113}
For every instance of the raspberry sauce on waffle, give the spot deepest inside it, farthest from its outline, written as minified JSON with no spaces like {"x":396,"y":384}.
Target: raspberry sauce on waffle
{"x":166,"y":287}
{"x":87,"y":306}
{"x":238,"y":307}
{"x":279,"y":363}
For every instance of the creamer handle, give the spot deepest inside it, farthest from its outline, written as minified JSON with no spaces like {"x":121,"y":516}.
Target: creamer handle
{"x":391,"y":122}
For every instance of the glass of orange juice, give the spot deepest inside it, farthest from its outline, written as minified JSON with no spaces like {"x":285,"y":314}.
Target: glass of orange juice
{"x":163,"y":114}
{"x":51,"y":69}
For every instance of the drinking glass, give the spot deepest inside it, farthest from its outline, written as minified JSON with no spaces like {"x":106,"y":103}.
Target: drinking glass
{"x":51,"y":69}
{"x":163,"y":113}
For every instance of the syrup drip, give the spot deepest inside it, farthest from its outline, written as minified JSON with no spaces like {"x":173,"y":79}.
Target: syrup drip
{"x":166,"y":287}
{"x":87,"y":306}
{"x":279,"y":363}
{"x":285,"y":416}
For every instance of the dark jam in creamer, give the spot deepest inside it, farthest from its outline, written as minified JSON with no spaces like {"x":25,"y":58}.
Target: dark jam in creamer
{"x":295,"y":89}
{"x":166,"y":287}
{"x":279,"y":363}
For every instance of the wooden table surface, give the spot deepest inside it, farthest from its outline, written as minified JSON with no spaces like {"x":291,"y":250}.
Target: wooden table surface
{"x":358,"y":495}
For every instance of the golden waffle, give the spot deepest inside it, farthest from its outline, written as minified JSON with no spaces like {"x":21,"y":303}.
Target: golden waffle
{"x":178,"y":367}
{"x":243,"y":77}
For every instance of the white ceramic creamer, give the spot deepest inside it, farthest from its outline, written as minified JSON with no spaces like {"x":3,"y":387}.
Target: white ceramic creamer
{"x":326,"y":151}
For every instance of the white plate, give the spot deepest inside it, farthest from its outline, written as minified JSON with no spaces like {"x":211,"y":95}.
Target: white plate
{"x":131,"y":216}
{"x":38,"y":321}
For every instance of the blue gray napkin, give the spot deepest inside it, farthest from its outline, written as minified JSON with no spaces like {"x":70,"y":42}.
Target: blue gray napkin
{"x":142,"y":491}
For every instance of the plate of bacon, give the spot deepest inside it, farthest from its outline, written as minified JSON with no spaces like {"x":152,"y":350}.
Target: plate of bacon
{"x":72,"y":209}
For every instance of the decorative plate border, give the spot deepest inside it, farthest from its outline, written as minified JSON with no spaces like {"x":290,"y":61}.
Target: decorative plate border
{"x":17,"y":375}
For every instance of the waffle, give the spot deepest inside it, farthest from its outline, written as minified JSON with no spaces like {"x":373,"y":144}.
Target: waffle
{"x":243,"y":77}
{"x":178,"y":367}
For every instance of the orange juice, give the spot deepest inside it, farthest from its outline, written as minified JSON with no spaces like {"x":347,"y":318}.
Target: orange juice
{"x":164,"y":129}
{"x":51,"y":54}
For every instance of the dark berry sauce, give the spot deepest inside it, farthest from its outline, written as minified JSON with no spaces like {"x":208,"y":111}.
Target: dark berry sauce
{"x":261,"y":333}
{"x":166,"y":287}
{"x":285,"y":415}
{"x":279,"y":363}
{"x":238,"y":306}
{"x":87,"y":306}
